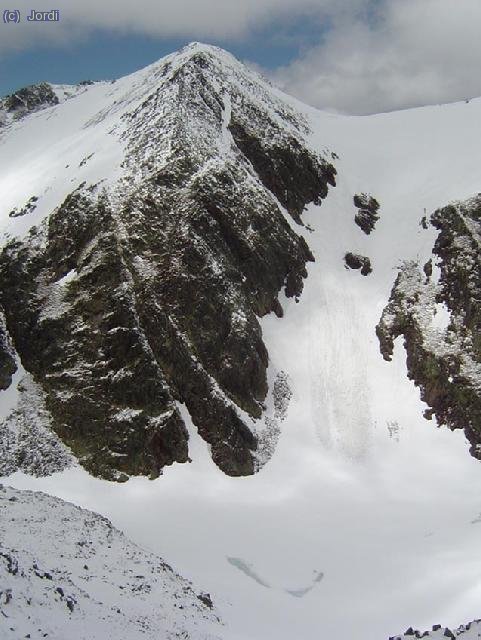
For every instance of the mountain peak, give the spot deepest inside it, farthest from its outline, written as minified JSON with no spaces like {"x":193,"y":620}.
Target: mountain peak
{"x":155,"y":268}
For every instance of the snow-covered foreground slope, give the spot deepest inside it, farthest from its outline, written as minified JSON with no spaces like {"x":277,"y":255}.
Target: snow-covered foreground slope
{"x":366,"y":519}
{"x":67,"y":573}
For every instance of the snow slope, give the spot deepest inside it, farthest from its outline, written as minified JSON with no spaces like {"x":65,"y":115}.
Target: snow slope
{"x":361,"y":488}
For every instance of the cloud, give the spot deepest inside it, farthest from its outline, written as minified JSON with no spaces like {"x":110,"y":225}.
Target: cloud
{"x":197,"y":19}
{"x":404,"y":53}
{"x":371,"y":56}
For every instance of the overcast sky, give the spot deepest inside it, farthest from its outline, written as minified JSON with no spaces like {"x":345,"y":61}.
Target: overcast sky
{"x":353,"y":56}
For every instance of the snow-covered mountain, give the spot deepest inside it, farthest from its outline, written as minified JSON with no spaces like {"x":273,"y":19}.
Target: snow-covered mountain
{"x":203,"y":278}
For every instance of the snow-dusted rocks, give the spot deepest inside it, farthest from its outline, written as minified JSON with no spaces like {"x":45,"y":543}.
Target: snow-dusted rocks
{"x":27,"y":440}
{"x":438,"y":312}
{"x":470,"y":631}
{"x":142,"y":291}
{"x":68,"y":573}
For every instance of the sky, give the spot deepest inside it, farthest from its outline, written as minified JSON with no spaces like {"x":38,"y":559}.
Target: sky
{"x":350,"y":56}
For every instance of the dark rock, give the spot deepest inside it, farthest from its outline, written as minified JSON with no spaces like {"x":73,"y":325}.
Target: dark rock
{"x":206,"y":599}
{"x":367,"y":214}
{"x":29,"y":207}
{"x":356,"y":261}
{"x":409,"y":632}
{"x":12,"y":563}
{"x":448,"y":633}
{"x":8,"y":365}
{"x":428,"y":268}
{"x":70,"y":602}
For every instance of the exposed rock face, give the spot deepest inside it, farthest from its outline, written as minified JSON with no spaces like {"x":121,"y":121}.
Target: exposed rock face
{"x":367,"y":214}
{"x":292,"y":174}
{"x":124,"y":304}
{"x":441,"y":322}
{"x":356,"y":261}
{"x":26,"y":100}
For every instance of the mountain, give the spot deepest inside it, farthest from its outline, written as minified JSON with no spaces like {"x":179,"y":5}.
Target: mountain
{"x":204,"y":279}
{"x":149,"y":283}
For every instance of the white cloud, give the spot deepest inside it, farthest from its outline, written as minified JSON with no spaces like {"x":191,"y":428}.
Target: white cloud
{"x":377,"y":55}
{"x":196,"y":19}
{"x":410,"y":53}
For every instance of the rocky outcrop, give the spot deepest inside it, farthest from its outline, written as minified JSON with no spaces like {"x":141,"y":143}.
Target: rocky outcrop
{"x":356,"y":261}
{"x":126,"y":304}
{"x":441,"y":321}
{"x":367,"y":212}
{"x":26,"y":100}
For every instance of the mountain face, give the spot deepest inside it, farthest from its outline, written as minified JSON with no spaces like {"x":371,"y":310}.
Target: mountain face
{"x":128,"y":299}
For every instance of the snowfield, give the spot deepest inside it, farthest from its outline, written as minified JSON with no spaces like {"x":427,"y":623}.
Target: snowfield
{"x":367,"y":517}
